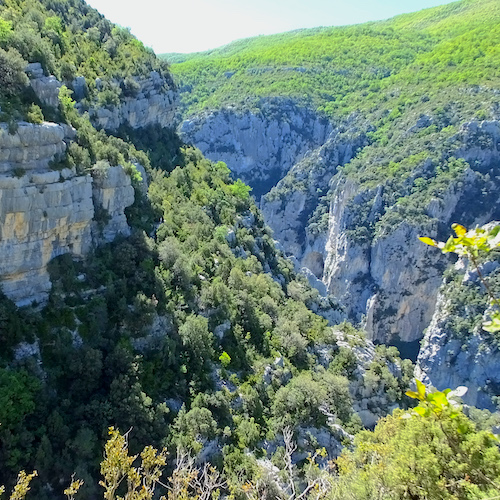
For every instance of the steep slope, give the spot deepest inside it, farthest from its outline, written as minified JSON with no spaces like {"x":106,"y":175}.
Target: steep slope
{"x":161,"y":302}
{"x":456,"y":350}
{"x":413,"y":138}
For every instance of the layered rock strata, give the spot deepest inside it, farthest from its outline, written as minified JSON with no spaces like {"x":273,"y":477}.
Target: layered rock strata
{"x":154,"y":103}
{"x":45,"y":213}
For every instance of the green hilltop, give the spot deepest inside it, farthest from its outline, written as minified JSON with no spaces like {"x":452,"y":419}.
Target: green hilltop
{"x":344,"y":69}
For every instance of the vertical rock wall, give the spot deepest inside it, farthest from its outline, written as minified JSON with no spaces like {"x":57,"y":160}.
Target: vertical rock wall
{"x":45,"y":213}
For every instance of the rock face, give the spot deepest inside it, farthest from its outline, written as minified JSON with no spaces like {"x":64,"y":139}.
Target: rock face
{"x":449,"y":358}
{"x":155,"y":103}
{"x":112,"y":192}
{"x":258,"y":146}
{"x":45,"y":213}
{"x":392,"y":280}
{"x":31,"y":148}
{"x":388,"y":280}
{"x":289,"y":205}
{"x":46,"y":87}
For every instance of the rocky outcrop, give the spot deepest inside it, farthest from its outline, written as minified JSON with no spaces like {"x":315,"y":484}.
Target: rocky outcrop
{"x":42,"y":215}
{"x":452,"y":356}
{"x":112,"y":192}
{"x":260,"y":145}
{"x":31,"y":147}
{"x":340,"y":229}
{"x":45,"y":87}
{"x":45,"y":213}
{"x":154,"y":103}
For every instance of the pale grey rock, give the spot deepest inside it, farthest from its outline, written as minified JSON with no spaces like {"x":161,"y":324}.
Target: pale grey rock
{"x":391,"y":281}
{"x":211,"y":448}
{"x":231,"y":237}
{"x":25,"y":350}
{"x":39,"y":221}
{"x":259,"y":146}
{"x":289,"y":205}
{"x":447,"y":360}
{"x":369,"y":396}
{"x":160,"y":328}
{"x":220,"y":330}
{"x":45,"y":213}
{"x":155,"y":104}
{"x":112,"y":191}
{"x":312,"y":438}
{"x":31,"y":147}
{"x":46,"y":88}
{"x":79,"y":88}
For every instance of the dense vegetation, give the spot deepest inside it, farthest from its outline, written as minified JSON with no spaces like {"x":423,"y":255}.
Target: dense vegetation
{"x":409,"y":84}
{"x":69,"y":39}
{"x":351,"y":69}
{"x":194,"y":332}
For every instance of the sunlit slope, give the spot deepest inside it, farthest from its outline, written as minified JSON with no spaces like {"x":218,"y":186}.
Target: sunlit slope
{"x":340,"y":70}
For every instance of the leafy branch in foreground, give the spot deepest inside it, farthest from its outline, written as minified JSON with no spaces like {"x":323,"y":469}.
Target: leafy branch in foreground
{"x":472,"y":245}
{"x":22,"y":486}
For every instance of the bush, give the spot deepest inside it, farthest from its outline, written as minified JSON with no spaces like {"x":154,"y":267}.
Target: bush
{"x":34,"y":114}
{"x":12,"y":76}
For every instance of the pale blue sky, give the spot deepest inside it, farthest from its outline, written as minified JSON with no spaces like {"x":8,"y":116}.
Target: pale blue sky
{"x":195,"y":25}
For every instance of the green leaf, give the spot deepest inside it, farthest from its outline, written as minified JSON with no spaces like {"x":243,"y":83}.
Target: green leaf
{"x":492,"y":326}
{"x":428,"y":241}
{"x":439,"y":399}
{"x":459,"y":229}
{"x":412,"y":394}
{"x":420,"y":389}
{"x":420,"y":410}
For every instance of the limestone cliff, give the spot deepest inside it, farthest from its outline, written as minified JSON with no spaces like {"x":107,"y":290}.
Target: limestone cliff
{"x":392,"y":280}
{"x":45,"y":213}
{"x":456,"y":351}
{"x":154,"y":101}
{"x":260,"y":146}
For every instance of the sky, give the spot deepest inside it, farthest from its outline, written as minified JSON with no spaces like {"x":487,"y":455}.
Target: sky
{"x":197,"y":25}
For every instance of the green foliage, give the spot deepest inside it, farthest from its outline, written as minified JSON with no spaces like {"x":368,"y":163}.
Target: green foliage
{"x":240,"y":190}
{"x":5,"y":30}
{"x":435,"y":454}
{"x":118,"y":467}
{"x":474,"y":245}
{"x":12,"y":76}
{"x":35,"y":114}
{"x":225,"y":359}
{"x":344,"y":69}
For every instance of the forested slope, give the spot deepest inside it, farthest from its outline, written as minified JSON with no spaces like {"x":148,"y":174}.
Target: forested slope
{"x":351,"y":69}
{"x":182,"y":322}
{"x":358,"y":139}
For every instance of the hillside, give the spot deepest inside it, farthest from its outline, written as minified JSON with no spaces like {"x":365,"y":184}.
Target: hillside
{"x":142,"y":289}
{"x":140,"y":286}
{"x":357,"y":139}
{"x":338,"y":71}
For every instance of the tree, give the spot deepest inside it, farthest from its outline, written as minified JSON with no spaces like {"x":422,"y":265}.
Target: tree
{"x":12,"y":76}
